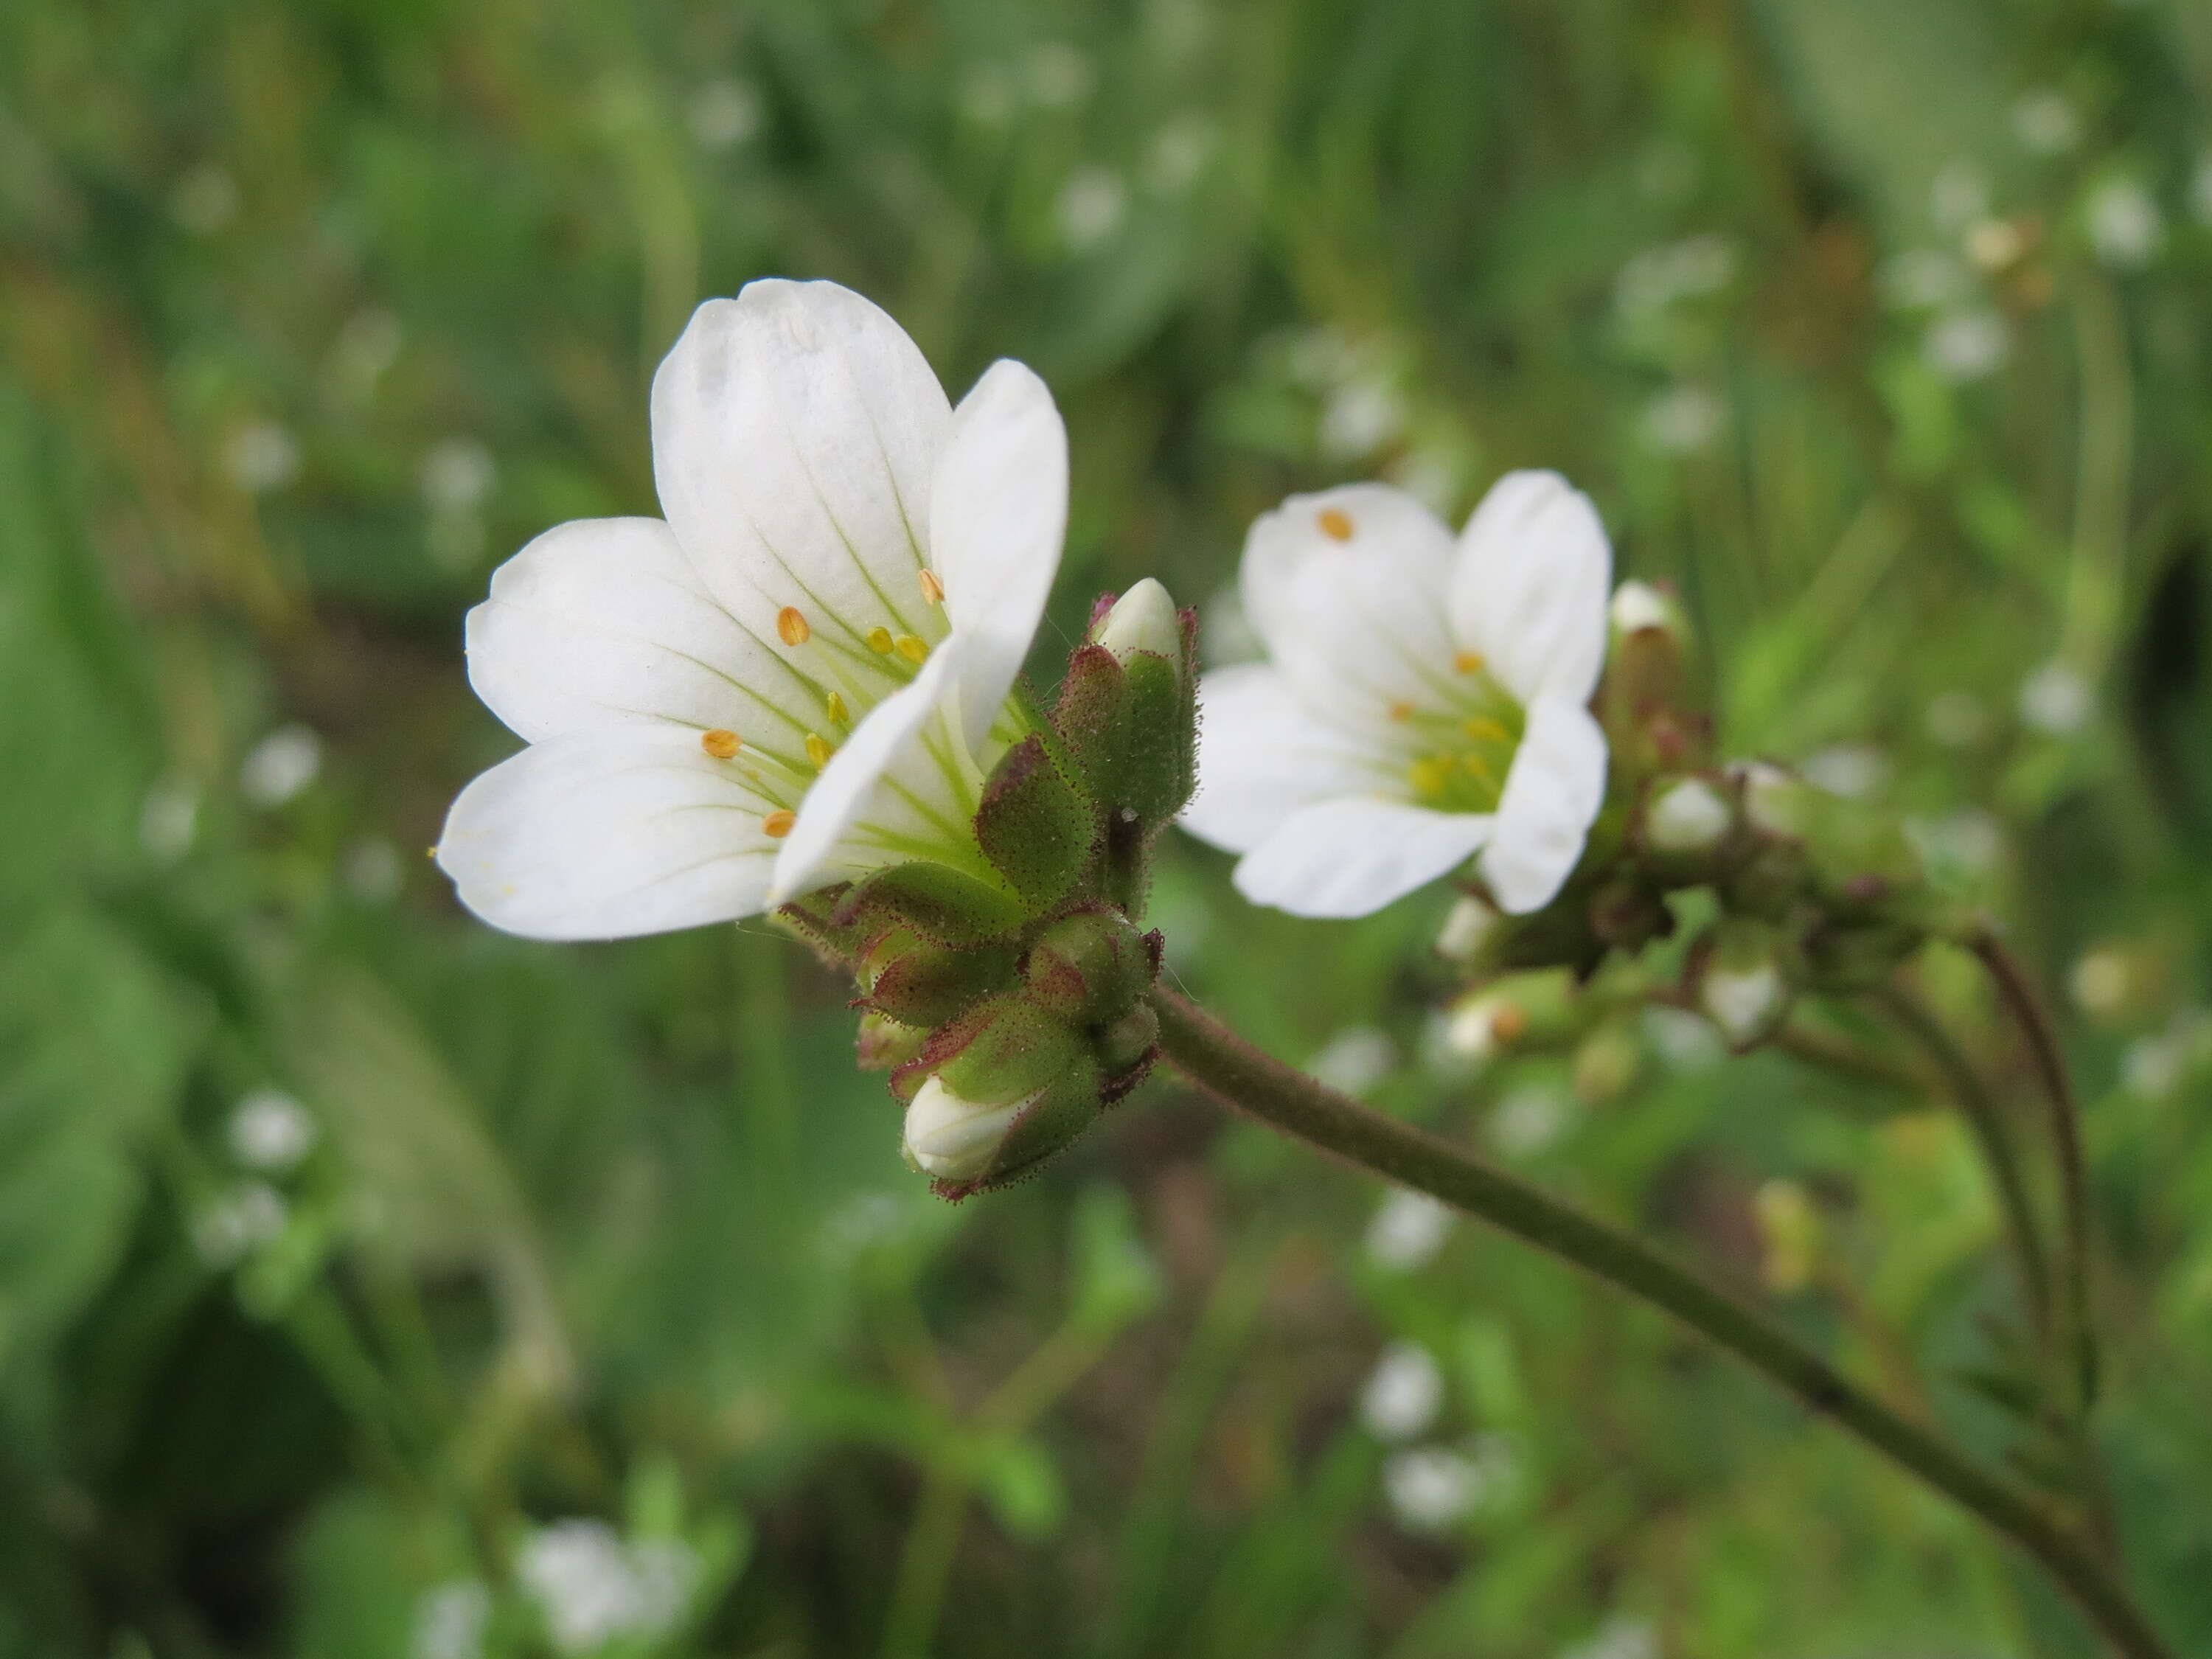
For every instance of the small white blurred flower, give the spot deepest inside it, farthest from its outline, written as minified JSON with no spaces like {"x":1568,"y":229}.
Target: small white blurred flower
{"x":1091,"y":206}
{"x":204,"y":199}
{"x":1179,"y":153}
{"x":1059,"y":75}
{"x":1742,"y":1000}
{"x":1682,"y":420}
{"x":450,"y":1620}
{"x":373,"y":871}
{"x":1683,"y":1042}
{"x":280,"y":765}
{"x":1404,"y":1394}
{"x":261,"y":456}
{"x":1408,"y":1230}
{"x":1854,"y":770}
{"x":2101,"y":982}
{"x":251,"y":1213}
{"x":1637,"y":606}
{"x":2125,"y":226}
{"x":1530,"y":1120}
{"x":592,"y":1588}
{"x":1467,"y":924}
{"x":1967,"y":345}
{"x":2055,"y":700}
{"x":723,"y":113}
{"x":1957,"y":720}
{"x":2153,"y":1068}
{"x":1958,"y":195}
{"x":1432,"y":1488}
{"x":168,"y":819}
{"x":270,"y":1130}
{"x":1993,"y":243}
{"x":1470,"y":1033}
{"x":456,"y":474}
{"x":2045,"y":122}
{"x":1658,"y":276}
{"x":1360,"y":417}
{"x":1688,"y":816}
{"x":1922,"y":279}
{"x":366,"y":346}
{"x":1355,"y":1059}
{"x":1619,"y":1638}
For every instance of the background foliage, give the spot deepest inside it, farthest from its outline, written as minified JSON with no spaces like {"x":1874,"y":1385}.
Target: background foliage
{"x":596,"y":1312}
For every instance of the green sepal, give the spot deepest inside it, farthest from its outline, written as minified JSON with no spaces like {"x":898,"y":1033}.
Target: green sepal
{"x":1156,"y":761}
{"x":920,"y":983}
{"x":885,"y":1044}
{"x":941,"y":904}
{"x":1065,"y":1109}
{"x":812,"y":918}
{"x":1038,"y":824}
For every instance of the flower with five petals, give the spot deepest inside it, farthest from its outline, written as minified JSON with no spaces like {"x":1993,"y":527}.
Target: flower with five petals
{"x":803,"y":672}
{"x":1425,"y":702}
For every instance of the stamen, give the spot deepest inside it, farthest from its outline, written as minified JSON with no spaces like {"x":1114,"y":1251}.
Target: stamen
{"x":836,"y":707}
{"x":932,"y":589}
{"x":777,"y":824}
{"x":1483,"y":729}
{"x":880,"y":641}
{"x":722,"y":744}
{"x":1402,"y":711}
{"x":791,"y":626}
{"x":1335,"y":523}
{"x":911,"y":648}
{"x":1429,"y":776}
{"x":817,"y":749}
{"x":1469,"y":662}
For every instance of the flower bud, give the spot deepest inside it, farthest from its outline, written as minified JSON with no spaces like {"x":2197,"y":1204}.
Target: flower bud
{"x":1687,"y":817}
{"x":956,"y":1139}
{"x":1637,"y":606}
{"x":1142,"y":619}
{"x":1472,"y":922}
{"x":1777,"y":803}
{"x":1741,"y":987}
{"x":1649,"y":717}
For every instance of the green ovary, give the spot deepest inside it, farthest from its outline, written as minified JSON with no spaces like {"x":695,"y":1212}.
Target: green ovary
{"x":1462,"y":749}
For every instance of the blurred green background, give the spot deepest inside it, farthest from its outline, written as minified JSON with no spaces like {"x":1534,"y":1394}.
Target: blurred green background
{"x":373,"y":1285}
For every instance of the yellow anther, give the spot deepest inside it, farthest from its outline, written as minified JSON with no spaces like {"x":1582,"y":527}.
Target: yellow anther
{"x":720,"y":744}
{"x":911,"y":648}
{"x":1402,"y":711}
{"x":1429,"y":776}
{"x":817,"y":749}
{"x":880,"y":641}
{"x":1335,"y":523}
{"x":835,"y":704}
{"x":1483,"y":729}
{"x":1469,"y":662}
{"x":1476,"y":764}
{"x":791,"y":626}
{"x":932,"y":589}
{"x":777,"y":824}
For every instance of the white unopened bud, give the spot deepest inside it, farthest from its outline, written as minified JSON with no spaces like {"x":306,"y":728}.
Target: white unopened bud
{"x":1688,"y":816}
{"x":1742,"y":1001}
{"x":956,"y":1139}
{"x":1637,"y":605}
{"x":1774,"y":801}
{"x":1468,"y":925}
{"x":1143,"y":619}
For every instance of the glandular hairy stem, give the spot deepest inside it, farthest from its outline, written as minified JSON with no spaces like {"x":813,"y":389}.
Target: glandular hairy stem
{"x":1233,"y":1072}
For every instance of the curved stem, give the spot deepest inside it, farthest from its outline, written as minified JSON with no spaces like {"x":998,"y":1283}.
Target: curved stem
{"x":2018,"y":996}
{"x":1985,"y":1118}
{"x":1239,"y":1075}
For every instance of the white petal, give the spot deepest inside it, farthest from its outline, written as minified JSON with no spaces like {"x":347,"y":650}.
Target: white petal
{"x":998,"y":513}
{"x":1347,"y":590}
{"x":795,"y":430}
{"x":603,"y":623}
{"x":607,"y":835}
{"x":892,"y":776}
{"x":1552,"y":793}
{"x":1529,"y":589}
{"x":1352,"y":856}
{"x":1260,"y":757}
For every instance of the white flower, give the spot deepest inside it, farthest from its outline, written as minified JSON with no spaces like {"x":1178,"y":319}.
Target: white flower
{"x":1408,"y":1230}
{"x":1425,"y":701}
{"x":276,"y":769}
{"x":1432,"y":1488}
{"x":450,"y":1620}
{"x":954,"y":1139}
{"x":270,"y":1130}
{"x":1742,"y":1000}
{"x":1688,"y":816}
{"x":1355,"y":1059}
{"x":261,"y":456}
{"x":1091,"y":206}
{"x":2055,"y":699}
{"x":800,"y":676}
{"x":1966,"y":346}
{"x":1404,"y":1395}
{"x":593,"y":1588}
{"x":2125,"y":225}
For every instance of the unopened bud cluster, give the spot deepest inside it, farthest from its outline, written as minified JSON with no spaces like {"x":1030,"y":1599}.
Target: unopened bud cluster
{"x":1812,"y":891}
{"x":1008,"y":1002}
